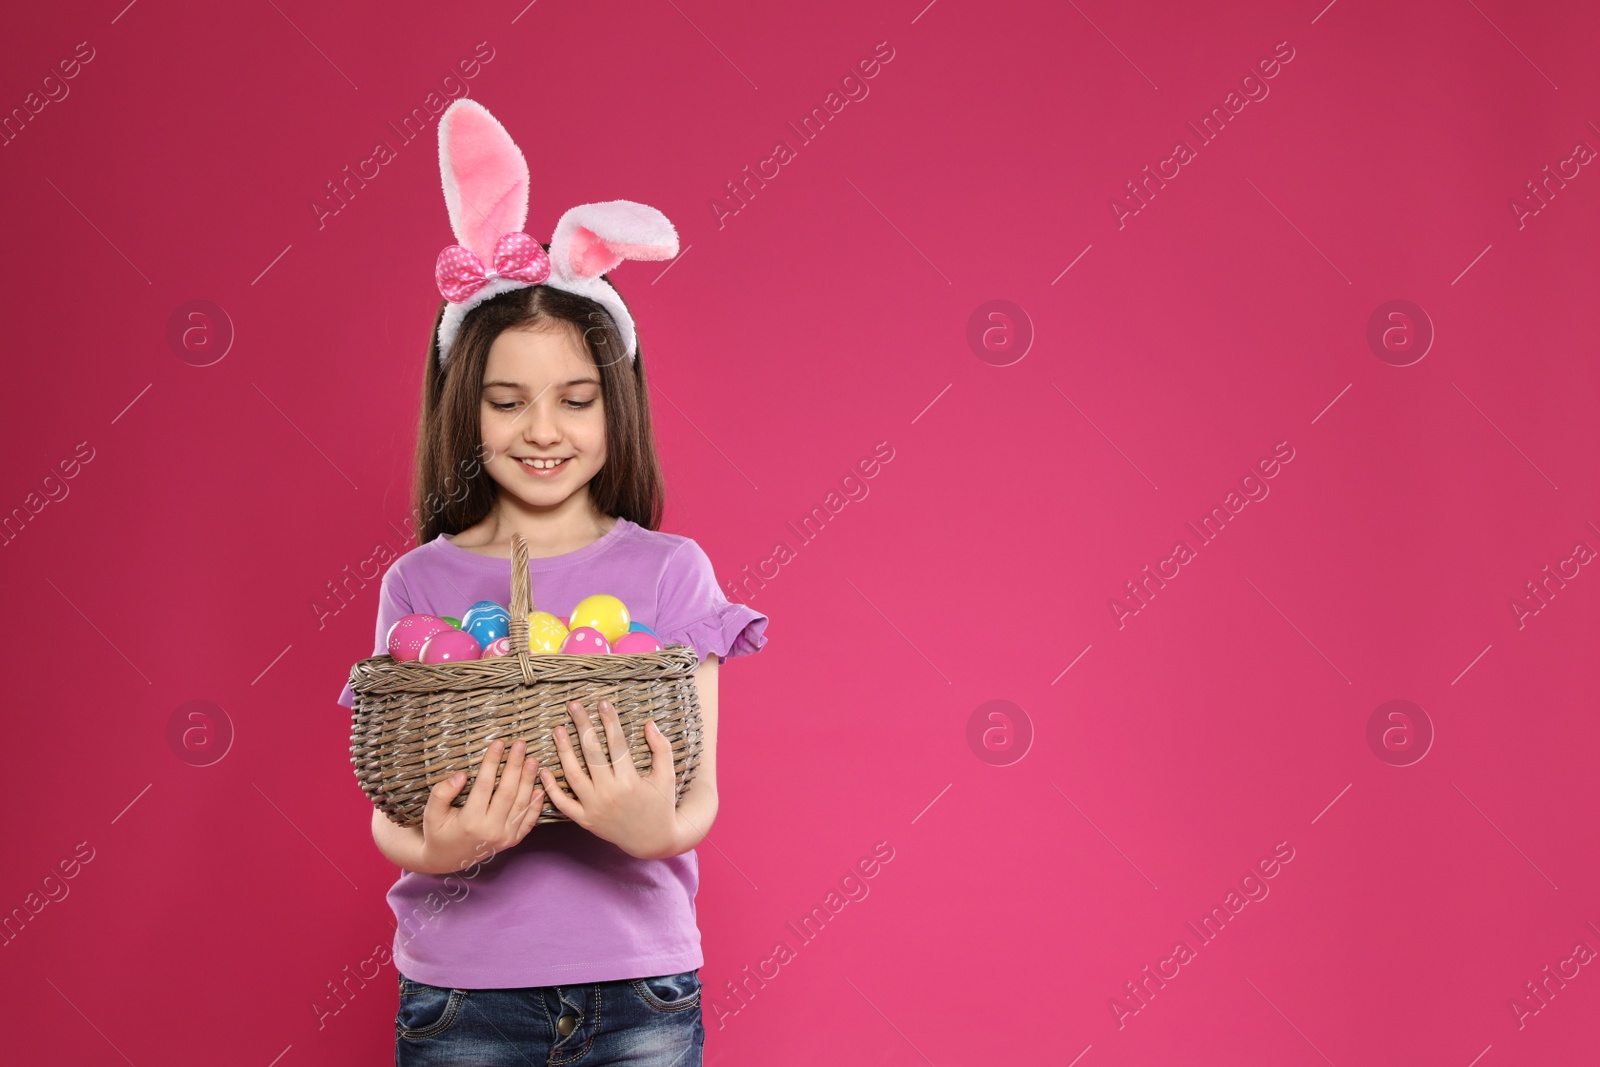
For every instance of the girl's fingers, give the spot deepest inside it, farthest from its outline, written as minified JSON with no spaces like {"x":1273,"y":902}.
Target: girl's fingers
{"x":483,"y":788}
{"x":531,"y":816}
{"x":589,"y":739}
{"x":505,"y":794}
{"x":564,"y":804}
{"x":530,"y":778}
{"x":440,"y":796}
{"x":621,"y":757}
{"x":661,"y":769}
{"x":579,"y":782}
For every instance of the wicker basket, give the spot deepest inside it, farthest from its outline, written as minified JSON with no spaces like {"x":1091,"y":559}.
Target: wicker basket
{"x":415,"y":724}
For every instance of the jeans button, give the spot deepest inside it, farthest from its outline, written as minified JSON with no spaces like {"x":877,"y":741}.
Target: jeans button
{"x":565,"y":1024}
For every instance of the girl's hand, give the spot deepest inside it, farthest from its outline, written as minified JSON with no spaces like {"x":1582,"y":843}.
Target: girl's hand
{"x":493,"y":818}
{"x":637,"y":813}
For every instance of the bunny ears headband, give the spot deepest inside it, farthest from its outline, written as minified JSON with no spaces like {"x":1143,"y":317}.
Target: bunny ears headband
{"x":486,"y":191}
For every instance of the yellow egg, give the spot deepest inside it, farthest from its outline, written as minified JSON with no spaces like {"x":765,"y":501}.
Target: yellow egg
{"x":605,"y":613}
{"x":545,"y":632}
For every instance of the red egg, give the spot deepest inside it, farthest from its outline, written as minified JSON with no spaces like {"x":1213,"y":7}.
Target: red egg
{"x":585,"y":640}
{"x":406,"y":636}
{"x":500,"y":646}
{"x":637,"y":641}
{"x":450,"y":646}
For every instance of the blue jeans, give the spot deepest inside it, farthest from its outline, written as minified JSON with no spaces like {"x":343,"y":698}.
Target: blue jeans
{"x":643,"y":1022}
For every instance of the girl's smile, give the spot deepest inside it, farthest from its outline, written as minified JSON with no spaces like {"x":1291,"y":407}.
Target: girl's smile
{"x":543,"y":468}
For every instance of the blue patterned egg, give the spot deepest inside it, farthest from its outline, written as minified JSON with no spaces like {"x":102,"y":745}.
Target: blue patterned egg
{"x":487,"y":624}
{"x":477,"y":609}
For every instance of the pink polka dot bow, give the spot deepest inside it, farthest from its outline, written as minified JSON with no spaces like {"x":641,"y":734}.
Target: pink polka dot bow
{"x":460,"y":272}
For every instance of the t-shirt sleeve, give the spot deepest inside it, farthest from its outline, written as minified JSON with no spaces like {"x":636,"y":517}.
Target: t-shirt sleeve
{"x":692,"y":609}
{"x":394,"y":604}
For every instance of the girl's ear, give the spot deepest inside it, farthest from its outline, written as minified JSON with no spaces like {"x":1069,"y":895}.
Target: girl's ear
{"x":485,"y":177}
{"x":591,"y":239}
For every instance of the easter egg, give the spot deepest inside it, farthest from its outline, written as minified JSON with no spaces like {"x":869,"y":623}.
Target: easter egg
{"x":478,"y":609}
{"x":488,"y":623}
{"x":407,"y":635}
{"x":453,"y":622}
{"x":585,"y":640}
{"x":450,"y":646}
{"x":546,"y":632}
{"x":500,"y":646}
{"x":637,"y":641}
{"x":639,"y":627}
{"x":601,"y":612}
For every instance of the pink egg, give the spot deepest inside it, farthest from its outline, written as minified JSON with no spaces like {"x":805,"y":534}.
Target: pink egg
{"x":585,"y":640}
{"x":408,"y":634}
{"x":450,"y":646}
{"x":637,"y":641}
{"x":500,"y":646}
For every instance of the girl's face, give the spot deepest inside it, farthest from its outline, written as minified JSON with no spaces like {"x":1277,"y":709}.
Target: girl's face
{"x":541,"y":401}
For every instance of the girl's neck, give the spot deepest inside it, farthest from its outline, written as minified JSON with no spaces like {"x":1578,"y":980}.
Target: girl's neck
{"x":567,"y":527}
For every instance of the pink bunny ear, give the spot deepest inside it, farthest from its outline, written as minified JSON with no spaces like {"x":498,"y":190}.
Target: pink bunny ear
{"x":485,"y":177}
{"x":592,"y":239}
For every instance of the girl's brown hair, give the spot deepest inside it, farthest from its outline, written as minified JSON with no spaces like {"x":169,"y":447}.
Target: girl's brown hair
{"x":452,"y":490}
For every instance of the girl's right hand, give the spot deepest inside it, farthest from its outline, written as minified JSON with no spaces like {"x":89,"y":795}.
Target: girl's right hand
{"x":495,"y":817}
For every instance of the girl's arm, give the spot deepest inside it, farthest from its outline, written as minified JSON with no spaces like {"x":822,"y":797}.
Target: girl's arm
{"x":401,"y":844}
{"x":698,"y":808}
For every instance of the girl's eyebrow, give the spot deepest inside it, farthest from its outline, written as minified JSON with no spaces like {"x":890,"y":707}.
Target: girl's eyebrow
{"x":519,"y":385}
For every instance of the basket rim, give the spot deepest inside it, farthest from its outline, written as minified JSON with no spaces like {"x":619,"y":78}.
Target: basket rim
{"x":384,"y":670}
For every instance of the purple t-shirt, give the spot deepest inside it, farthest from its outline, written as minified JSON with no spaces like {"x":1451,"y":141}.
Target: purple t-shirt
{"x":562,"y":907}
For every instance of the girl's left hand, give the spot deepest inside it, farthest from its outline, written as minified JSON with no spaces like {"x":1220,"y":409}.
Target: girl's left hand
{"x":637,"y":813}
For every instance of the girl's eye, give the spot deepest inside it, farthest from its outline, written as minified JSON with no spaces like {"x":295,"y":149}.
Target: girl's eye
{"x":514,"y":404}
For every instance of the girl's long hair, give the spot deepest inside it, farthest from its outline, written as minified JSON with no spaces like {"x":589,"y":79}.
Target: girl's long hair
{"x":452,"y":491}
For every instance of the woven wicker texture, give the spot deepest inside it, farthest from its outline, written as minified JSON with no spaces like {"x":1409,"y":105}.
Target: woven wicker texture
{"x":415,"y":724}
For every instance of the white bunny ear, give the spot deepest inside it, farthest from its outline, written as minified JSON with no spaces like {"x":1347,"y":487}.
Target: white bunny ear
{"x":485,"y":177}
{"x":591,"y":239}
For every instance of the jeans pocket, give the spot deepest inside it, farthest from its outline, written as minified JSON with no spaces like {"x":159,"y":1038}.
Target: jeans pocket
{"x":669,"y":992}
{"x":426,"y":1010}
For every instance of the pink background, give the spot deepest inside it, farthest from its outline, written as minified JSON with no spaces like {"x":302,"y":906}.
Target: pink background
{"x":831,"y":313}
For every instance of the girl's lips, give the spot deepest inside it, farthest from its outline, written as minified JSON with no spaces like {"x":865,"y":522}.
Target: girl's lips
{"x":546,"y":472}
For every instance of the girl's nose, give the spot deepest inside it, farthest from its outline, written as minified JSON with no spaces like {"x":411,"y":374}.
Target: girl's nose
{"x":539,"y":423}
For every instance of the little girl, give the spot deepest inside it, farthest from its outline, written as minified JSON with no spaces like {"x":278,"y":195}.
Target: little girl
{"x":518,"y":943}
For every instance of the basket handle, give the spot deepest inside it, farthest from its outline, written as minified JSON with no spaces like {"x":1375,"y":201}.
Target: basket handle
{"x":521,"y":605}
